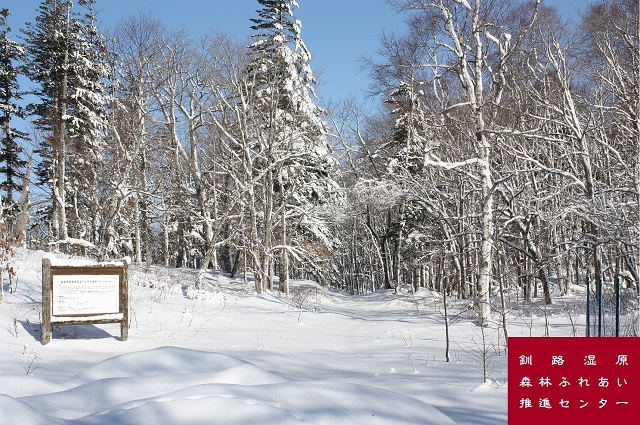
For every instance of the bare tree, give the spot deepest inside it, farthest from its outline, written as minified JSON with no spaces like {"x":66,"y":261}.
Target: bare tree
{"x":467,"y":48}
{"x":138,"y":49}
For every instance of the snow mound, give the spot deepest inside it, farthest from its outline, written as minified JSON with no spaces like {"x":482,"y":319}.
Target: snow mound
{"x":159,"y":361}
{"x":290,"y":403}
{"x":108,"y":393}
{"x":200,"y":294}
{"x":26,"y":385}
{"x":199,"y":409}
{"x":487,"y":386}
{"x":16,"y":412}
{"x":170,"y":385}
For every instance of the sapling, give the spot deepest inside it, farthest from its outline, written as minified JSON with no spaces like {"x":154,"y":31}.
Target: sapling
{"x":448,"y":320}
{"x":529,"y":325}
{"x":572,"y":322}
{"x":546,"y":321}
{"x":31,"y":366}
{"x":486,"y":346}
{"x":482,"y":349}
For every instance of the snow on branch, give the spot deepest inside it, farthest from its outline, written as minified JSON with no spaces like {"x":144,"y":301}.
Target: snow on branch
{"x":75,"y":242}
{"x":574,"y":179}
{"x":436,"y":162}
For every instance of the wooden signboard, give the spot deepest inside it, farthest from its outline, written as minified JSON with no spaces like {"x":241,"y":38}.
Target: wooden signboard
{"x":78,"y":292}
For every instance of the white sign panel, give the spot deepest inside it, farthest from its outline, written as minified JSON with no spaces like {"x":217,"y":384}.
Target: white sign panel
{"x":86,"y":294}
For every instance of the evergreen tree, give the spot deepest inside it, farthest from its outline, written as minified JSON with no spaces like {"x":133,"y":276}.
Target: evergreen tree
{"x":290,"y":139}
{"x":280,"y":68}
{"x":12,"y":165}
{"x":66,"y":59}
{"x":412,"y":133}
{"x":88,"y":93}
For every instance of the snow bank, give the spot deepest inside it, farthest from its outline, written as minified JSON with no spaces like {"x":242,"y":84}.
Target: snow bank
{"x":25,"y":385}
{"x":159,"y":361}
{"x":15,"y":412}
{"x":170,"y":385}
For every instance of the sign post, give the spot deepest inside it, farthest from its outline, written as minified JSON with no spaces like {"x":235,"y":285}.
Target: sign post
{"x":78,"y":292}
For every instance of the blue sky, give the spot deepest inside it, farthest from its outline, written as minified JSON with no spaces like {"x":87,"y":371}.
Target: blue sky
{"x":337,"y":32}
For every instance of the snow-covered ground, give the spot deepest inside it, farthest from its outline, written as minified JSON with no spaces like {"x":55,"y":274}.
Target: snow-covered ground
{"x":225,"y":355}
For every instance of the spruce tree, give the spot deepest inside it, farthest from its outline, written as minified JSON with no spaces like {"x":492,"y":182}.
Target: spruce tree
{"x":412,"y":136}
{"x":66,"y":57}
{"x":11,"y":165}
{"x":290,"y":138}
{"x":88,"y":94}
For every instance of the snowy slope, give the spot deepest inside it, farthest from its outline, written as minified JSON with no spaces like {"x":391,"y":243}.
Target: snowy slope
{"x":228,"y":356}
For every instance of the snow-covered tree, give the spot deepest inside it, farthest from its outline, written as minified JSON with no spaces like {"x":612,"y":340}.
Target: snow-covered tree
{"x":91,"y":62}
{"x":179,"y":96}
{"x":579,"y":135}
{"x":470,"y":35}
{"x":11,"y":53}
{"x":139,"y":42}
{"x":66,"y":59}
{"x":293,"y":159}
{"x":414,"y":134}
{"x":611,"y":32}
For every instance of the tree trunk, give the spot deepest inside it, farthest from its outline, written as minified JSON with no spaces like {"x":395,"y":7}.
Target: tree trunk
{"x":22,"y":219}
{"x":503,"y":304}
{"x":486,"y":247}
{"x":137,"y":235}
{"x":165,"y":234}
{"x":446,"y":326}
{"x":397,"y":255}
{"x":284,"y":254}
{"x":61,"y":154}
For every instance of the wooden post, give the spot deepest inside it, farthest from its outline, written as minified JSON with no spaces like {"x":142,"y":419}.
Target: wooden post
{"x":46,"y":301}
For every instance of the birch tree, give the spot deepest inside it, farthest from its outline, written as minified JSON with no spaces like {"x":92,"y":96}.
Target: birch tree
{"x":469,"y":46}
{"x":188,"y":103}
{"x":611,"y":33}
{"x":574,"y":162}
{"x":138,"y":47}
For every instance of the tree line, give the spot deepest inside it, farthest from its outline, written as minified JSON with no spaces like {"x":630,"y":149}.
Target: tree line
{"x":504,"y":153}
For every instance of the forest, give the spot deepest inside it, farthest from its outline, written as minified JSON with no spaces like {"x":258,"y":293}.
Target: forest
{"x":503,"y":154}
